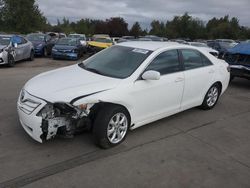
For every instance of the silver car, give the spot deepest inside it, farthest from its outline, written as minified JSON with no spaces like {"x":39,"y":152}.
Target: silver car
{"x":14,"y":48}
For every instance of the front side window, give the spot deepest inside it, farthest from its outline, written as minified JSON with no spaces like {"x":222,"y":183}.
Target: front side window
{"x":192,"y":59}
{"x":166,"y":63}
{"x":116,"y":61}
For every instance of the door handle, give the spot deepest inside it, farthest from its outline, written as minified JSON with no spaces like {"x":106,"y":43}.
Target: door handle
{"x":179,"y":79}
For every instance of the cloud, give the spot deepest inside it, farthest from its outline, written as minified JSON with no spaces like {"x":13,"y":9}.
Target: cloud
{"x":144,"y":11}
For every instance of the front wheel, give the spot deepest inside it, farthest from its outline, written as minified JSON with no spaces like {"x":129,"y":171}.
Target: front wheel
{"x":211,"y":97}
{"x":11,"y":61}
{"x":45,"y":52}
{"x":31,"y":58}
{"x":111,"y":126}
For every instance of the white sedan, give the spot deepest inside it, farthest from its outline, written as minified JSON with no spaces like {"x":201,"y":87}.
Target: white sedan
{"x":123,"y":87}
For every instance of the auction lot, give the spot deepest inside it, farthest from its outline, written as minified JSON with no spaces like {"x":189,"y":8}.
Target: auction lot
{"x":192,"y":149}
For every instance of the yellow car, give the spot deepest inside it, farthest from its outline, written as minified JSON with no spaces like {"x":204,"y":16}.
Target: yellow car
{"x":100,"y":43}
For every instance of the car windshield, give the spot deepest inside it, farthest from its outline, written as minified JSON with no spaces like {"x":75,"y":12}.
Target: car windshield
{"x":4,"y":40}
{"x":67,"y":41}
{"x":104,"y":40}
{"x":116,"y":61}
{"x":74,"y":36}
{"x":227,"y":45}
{"x":39,"y":37}
{"x":197,"y":44}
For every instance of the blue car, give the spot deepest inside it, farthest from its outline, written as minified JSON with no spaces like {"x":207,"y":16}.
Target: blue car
{"x":42,"y":43}
{"x":239,"y":60}
{"x":68,"y":48}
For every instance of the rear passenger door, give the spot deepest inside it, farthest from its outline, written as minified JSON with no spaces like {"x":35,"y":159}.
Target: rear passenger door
{"x":199,"y":75}
{"x":25,"y":48}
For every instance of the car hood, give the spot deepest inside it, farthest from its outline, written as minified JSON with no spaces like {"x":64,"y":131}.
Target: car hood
{"x":64,"y":47}
{"x":68,"y":83}
{"x":2,"y":46}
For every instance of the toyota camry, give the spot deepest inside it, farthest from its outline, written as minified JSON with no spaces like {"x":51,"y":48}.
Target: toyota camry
{"x":119,"y":89}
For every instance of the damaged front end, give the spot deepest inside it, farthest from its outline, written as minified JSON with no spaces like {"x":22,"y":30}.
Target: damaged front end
{"x":63,"y":119}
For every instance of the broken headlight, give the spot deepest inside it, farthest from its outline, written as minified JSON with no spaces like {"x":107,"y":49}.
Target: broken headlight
{"x":58,"y":110}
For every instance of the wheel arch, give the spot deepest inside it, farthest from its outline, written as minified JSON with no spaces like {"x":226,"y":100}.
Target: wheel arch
{"x":98,"y":106}
{"x":219,"y":84}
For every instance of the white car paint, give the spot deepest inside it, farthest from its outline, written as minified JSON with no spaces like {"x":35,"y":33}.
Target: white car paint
{"x":145,"y":100}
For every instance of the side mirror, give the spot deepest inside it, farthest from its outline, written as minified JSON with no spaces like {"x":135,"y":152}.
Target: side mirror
{"x":151,"y":75}
{"x":14,"y":45}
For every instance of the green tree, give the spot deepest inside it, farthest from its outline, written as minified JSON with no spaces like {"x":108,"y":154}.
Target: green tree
{"x":157,"y":28}
{"x":117,"y":27}
{"x":22,"y":16}
{"x":136,"y":30}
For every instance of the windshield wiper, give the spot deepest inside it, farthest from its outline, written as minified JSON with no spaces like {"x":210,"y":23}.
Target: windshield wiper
{"x":90,"y":69}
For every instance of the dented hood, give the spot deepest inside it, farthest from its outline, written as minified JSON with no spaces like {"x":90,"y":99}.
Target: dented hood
{"x":68,"y":83}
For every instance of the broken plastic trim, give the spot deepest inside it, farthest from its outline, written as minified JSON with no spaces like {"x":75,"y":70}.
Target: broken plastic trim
{"x":62,"y":116}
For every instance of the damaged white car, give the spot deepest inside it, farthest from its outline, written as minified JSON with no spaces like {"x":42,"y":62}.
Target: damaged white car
{"x":14,"y":48}
{"x":123,"y":87}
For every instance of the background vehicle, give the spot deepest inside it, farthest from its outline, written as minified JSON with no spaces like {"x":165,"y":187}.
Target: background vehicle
{"x":81,"y":37}
{"x":155,"y":38}
{"x":14,"y":48}
{"x":238,"y":58}
{"x":98,"y":44}
{"x":221,"y":45}
{"x":68,"y":48}
{"x":120,"y":88}
{"x":205,"y":47}
{"x":126,"y":38}
{"x":180,"y":41}
{"x":43,"y":43}
{"x":115,"y":39}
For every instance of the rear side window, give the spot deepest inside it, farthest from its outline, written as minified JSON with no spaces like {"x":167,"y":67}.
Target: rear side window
{"x":191,"y":59}
{"x":205,"y":60}
{"x":23,"y":41}
{"x":166,"y":63}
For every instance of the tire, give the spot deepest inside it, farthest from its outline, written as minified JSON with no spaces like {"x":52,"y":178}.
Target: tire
{"x":106,"y":119}
{"x":11,"y":61}
{"x":31,"y":58}
{"x":212,"y":97}
{"x":45,"y":52}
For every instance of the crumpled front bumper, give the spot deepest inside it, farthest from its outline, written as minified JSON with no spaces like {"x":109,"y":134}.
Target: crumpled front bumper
{"x":3,"y":58}
{"x":28,"y":107}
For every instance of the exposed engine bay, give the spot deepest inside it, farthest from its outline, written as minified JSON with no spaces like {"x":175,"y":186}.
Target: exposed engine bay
{"x":63,"y":119}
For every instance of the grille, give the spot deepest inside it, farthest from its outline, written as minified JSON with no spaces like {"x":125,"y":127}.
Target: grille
{"x":64,"y":51}
{"x":26,"y":104}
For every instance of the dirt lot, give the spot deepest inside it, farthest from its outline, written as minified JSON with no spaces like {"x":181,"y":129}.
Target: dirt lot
{"x":192,"y":149}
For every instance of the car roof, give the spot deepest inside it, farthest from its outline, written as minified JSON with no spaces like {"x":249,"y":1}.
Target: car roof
{"x":150,"y":45}
{"x":6,"y":35}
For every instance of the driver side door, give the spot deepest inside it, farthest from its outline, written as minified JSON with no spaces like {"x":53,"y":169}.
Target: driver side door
{"x":155,"y":99}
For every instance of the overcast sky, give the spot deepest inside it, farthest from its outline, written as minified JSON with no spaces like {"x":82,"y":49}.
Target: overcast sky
{"x":144,"y":11}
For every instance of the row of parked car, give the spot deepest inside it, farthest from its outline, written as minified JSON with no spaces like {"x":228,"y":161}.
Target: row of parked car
{"x":59,"y":46}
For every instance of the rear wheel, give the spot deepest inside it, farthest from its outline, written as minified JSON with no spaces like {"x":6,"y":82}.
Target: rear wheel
{"x":111,"y":126}
{"x":211,"y":97}
{"x":11,"y":61}
{"x":31,"y":56}
{"x":45,"y":52}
